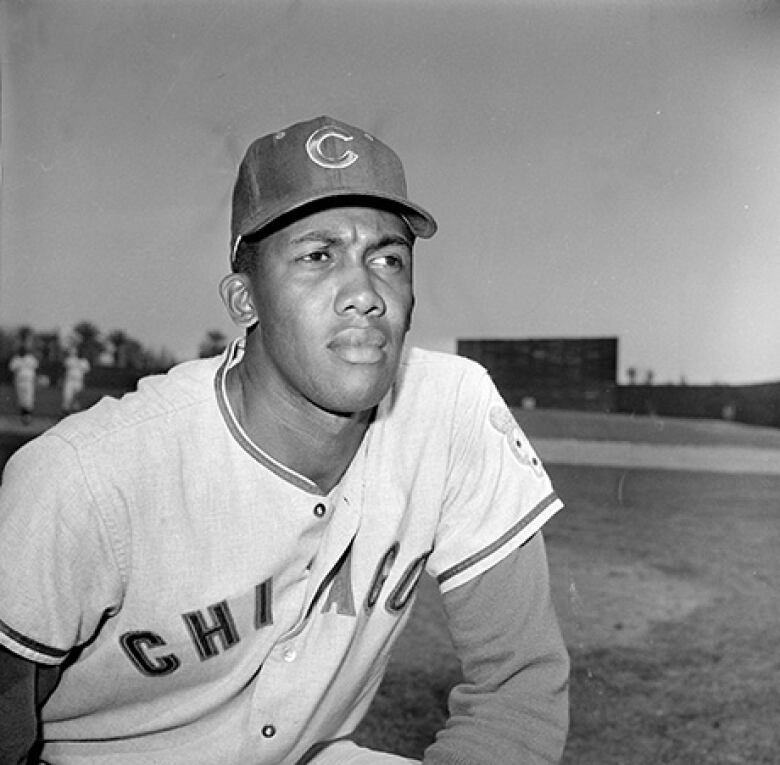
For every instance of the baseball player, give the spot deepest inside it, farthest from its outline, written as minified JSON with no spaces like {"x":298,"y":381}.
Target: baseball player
{"x":24,"y":367}
{"x":75,"y":370}
{"x":214,"y":568}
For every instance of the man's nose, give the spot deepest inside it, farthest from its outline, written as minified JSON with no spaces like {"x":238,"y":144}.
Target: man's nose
{"x":358,"y":292}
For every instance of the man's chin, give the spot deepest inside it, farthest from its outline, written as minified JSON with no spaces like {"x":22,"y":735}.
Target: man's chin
{"x":348,"y":387}
{"x":347,"y":406}
{"x":353,"y":399}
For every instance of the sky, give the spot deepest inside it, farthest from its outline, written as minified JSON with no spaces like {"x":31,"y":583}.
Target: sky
{"x":597,"y":168}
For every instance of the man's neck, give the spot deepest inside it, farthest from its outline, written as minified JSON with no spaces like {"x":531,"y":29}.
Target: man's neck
{"x":315,"y":443}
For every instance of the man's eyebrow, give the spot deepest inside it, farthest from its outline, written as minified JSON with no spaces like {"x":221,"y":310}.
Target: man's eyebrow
{"x":390,"y":239}
{"x":327,"y":238}
{"x":322,"y":237}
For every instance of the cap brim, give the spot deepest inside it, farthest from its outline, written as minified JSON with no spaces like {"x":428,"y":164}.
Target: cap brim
{"x":420,"y":221}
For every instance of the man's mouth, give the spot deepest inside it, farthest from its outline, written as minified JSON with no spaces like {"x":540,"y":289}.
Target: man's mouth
{"x":359,"y":345}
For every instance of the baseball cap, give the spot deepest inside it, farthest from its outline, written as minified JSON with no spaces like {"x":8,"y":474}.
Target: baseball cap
{"x":310,"y":161}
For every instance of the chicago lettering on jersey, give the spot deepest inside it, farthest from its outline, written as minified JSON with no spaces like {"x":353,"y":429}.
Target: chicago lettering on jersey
{"x":214,"y":630}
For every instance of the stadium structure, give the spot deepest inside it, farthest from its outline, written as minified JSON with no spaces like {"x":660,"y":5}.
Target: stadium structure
{"x":557,"y":373}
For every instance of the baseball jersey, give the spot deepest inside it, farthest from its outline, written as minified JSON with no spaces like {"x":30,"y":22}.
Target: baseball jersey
{"x":24,"y":369}
{"x":75,"y":368}
{"x":214,"y":606}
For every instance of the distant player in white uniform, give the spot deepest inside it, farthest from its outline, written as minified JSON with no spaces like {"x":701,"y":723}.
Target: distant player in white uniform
{"x":75,"y":369}
{"x":24,"y":367}
{"x":213,"y":570}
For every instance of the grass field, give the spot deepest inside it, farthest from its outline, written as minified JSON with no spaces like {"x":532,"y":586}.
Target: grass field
{"x":667,"y":585}
{"x":594,"y":426}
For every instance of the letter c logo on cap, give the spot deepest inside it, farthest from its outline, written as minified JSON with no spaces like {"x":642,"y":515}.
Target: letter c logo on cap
{"x":318,"y":156}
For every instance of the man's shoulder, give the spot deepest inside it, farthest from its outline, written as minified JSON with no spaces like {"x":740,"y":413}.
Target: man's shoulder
{"x":185,"y":386}
{"x":435,"y":379}
{"x":438,"y":366}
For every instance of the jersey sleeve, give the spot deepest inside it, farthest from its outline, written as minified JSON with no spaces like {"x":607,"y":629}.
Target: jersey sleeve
{"x":497,"y":492}
{"x":59,"y":575}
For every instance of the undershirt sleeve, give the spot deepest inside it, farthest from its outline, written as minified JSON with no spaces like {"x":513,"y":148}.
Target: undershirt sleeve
{"x":512,"y":706}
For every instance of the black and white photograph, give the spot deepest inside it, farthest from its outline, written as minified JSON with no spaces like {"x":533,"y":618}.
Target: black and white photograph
{"x":389,"y":382}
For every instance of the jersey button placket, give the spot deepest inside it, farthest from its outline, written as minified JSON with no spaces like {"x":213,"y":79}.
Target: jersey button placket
{"x":268,"y":730}
{"x":320,"y":510}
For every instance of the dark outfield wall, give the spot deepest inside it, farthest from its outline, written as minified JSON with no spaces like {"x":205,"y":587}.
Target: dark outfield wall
{"x":749,"y":404}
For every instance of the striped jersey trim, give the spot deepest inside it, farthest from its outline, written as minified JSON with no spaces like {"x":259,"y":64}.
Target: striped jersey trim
{"x":516,"y":530}
{"x":33,"y":647}
{"x":241,"y":436}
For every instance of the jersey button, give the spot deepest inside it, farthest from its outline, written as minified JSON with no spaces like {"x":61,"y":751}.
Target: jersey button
{"x":289,"y":654}
{"x":269,"y":731}
{"x":320,"y":510}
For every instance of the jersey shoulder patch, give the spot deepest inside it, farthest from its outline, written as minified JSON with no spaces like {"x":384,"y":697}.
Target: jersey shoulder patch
{"x":504,"y":422}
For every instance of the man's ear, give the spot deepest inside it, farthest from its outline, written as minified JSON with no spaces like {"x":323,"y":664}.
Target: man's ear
{"x":237,"y":297}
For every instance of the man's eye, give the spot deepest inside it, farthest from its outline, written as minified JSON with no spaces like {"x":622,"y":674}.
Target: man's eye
{"x":318,"y":256}
{"x":389,"y":260}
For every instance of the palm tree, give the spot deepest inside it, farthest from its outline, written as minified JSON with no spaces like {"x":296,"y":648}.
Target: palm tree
{"x":119,"y":339}
{"x":88,"y":342}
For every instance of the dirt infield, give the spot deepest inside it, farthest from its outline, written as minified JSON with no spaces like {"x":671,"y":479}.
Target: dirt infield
{"x":667,"y":585}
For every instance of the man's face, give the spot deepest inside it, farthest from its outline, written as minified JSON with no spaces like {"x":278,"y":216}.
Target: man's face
{"x":333,"y":294}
